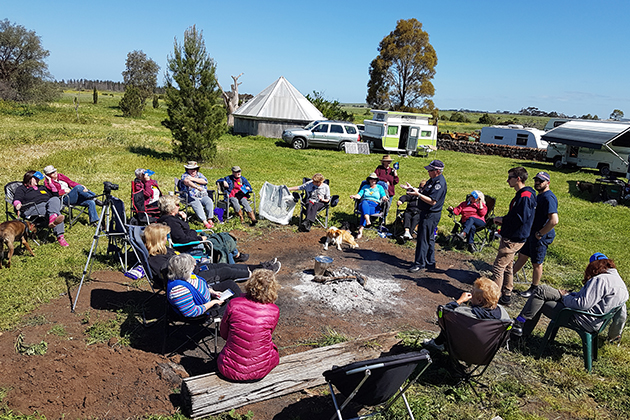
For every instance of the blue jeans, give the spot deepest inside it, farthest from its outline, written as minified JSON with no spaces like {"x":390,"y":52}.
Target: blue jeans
{"x":470,"y":227}
{"x":203,"y":207}
{"x":78,"y":197}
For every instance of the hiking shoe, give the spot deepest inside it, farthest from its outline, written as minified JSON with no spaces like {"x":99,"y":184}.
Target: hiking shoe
{"x":242,"y":257}
{"x":517,"y":328}
{"x":407,"y":235}
{"x":62,"y":240}
{"x":415,"y":268}
{"x":431,"y":343}
{"x":275,"y":267}
{"x":55,"y":220}
{"x":527,"y":293}
{"x":505,"y":300}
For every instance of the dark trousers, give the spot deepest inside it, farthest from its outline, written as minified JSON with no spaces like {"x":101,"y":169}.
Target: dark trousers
{"x":425,"y":248}
{"x":470,"y":227}
{"x":312,"y":209}
{"x":411,"y":220}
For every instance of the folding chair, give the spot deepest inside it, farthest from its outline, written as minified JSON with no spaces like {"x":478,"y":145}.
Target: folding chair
{"x":70,"y":210}
{"x":483,"y":235}
{"x":39,"y":220}
{"x":375,"y":382}
{"x":334,"y":200}
{"x":381,"y":215}
{"x":140,"y":214}
{"x":223,"y":201}
{"x":209,"y":247}
{"x":201,"y":325}
{"x":182,"y":192}
{"x":472,"y":341}
{"x":589,"y":339}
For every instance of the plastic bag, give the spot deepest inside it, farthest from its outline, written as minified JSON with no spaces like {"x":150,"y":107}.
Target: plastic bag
{"x":276,"y":203}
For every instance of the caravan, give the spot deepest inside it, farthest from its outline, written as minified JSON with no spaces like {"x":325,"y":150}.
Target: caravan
{"x":400,"y":132}
{"x":513,"y":135}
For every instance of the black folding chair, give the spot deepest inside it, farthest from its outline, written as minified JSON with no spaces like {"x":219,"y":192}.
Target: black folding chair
{"x":379,"y":218}
{"x":375,"y":382}
{"x":472,"y":341}
{"x":483,"y":235}
{"x":223,"y":201}
{"x":39,"y":220}
{"x":202,"y":327}
{"x":334,"y":200}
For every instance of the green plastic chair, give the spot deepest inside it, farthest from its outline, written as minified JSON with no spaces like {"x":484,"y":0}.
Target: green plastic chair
{"x":589,"y":339}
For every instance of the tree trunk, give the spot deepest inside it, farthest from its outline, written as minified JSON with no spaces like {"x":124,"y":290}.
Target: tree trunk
{"x":230,"y":99}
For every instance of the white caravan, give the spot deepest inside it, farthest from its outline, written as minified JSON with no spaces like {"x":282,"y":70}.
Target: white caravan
{"x":513,"y":135}
{"x":400,"y":132}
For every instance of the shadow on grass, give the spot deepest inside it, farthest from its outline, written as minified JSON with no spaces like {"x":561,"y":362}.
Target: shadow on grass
{"x":145,"y":151}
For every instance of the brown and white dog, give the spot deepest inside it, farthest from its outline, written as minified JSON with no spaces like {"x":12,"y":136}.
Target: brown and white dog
{"x":337,"y":236}
{"x":11,"y":231}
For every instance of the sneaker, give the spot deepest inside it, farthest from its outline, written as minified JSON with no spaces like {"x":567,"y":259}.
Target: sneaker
{"x":415,"y":268}
{"x":209,"y":224}
{"x":505,"y":300}
{"x":242,"y":257}
{"x":461,"y":235}
{"x":527,"y":293}
{"x":275,"y":267}
{"x":407,"y":235}
{"x":431,"y":343}
{"x":55,"y":220}
{"x":62,"y":240}
{"x":98,"y":202}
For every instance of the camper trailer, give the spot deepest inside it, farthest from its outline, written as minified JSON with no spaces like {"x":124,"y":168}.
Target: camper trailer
{"x":513,"y":135}
{"x":400,"y":132}
{"x":603,"y":145}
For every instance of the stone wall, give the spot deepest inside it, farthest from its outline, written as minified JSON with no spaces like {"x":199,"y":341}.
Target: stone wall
{"x":514,"y":152}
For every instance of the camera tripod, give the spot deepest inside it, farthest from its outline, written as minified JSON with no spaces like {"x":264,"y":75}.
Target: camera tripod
{"x":112,"y":225}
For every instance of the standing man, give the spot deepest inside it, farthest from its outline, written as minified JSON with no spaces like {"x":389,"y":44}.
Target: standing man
{"x":542,"y":233}
{"x":431,"y":199}
{"x":516,"y":225}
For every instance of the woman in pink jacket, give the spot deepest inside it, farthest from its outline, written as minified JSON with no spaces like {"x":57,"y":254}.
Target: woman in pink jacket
{"x":248,"y":322}
{"x":473,"y":212}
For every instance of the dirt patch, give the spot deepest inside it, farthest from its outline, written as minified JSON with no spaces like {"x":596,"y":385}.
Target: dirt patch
{"x":109,"y":380}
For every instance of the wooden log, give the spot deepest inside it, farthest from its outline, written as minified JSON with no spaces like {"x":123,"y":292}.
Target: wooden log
{"x":208,"y":394}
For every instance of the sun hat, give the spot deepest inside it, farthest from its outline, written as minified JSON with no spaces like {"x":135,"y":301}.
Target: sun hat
{"x":542,"y":175}
{"x":435,"y":164}
{"x":49,"y":170}
{"x":149,"y":172}
{"x":372,"y":175}
{"x":387,"y":158}
{"x":236,"y":169}
{"x":597,"y":256}
{"x":191,"y":165}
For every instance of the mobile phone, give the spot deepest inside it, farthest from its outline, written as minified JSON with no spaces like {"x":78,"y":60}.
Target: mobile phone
{"x":396,"y":165}
{"x":203,"y":268}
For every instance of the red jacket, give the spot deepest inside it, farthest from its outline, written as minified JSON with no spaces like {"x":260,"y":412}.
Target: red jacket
{"x":249,"y":353}
{"x":55,"y":187}
{"x":470,"y":210}
{"x":146,"y":187}
{"x":387,"y":175}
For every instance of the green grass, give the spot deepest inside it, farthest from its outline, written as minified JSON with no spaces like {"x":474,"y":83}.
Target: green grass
{"x":100,"y":145}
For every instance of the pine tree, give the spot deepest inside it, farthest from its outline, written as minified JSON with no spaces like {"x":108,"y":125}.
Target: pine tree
{"x":131,"y":103}
{"x":195,"y":118}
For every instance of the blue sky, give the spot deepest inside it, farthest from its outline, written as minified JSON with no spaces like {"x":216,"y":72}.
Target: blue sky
{"x":564,"y":56}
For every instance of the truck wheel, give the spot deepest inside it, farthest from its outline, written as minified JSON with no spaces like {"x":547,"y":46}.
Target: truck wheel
{"x":557,"y":163}
{"x":604,"y":170}
{"x":299,"y":143}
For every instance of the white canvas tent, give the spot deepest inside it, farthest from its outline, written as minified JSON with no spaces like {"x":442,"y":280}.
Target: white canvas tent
{"x":276,"y":108}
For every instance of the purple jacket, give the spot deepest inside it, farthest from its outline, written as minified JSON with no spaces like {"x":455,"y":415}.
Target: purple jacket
{"x":249,"y":353}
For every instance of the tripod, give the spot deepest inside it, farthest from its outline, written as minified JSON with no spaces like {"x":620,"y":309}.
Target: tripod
{"x":112,"y":225}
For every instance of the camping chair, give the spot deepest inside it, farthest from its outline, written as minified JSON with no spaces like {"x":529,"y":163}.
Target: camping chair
{"x":223,"y":202}
{"x":589,"y":339}
{"x":472,"y":341}
{"x":39,"y":220}
{"x":483,"y":235}
{"x":375,"y":382}
{"x":334,"y":200}
{"x":381,"y":215}
{"x":71,"y":210}
{"x":182,"y":192}
{"x":205,"y":325}
{"x":209,"y":247}
{"x":140,"y":214}
{"x":398,"y":227}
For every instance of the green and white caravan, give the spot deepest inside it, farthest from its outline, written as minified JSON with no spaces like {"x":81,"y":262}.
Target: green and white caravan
{"x":400,"y":132}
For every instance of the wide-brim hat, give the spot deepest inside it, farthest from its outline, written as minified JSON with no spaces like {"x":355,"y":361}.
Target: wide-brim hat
{"x":191,"y":165}
{"x":49,"y":170}
{"x":435,"y":164}
{"x":372,"y":176}
{"x":387,"y":158}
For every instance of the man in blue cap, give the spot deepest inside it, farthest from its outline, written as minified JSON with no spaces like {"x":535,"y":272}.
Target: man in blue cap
{"x":431,"y":199}
{"x":542,"y":233}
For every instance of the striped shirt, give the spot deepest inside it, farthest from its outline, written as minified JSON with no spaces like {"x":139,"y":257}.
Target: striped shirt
{"x":182,"y":299}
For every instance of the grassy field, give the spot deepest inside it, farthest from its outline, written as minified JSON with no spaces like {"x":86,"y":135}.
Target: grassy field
{"x":94,"y":143}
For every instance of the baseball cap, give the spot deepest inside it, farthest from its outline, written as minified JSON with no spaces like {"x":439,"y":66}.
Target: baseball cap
{"x":435,"y":164}
{"x":236,"y":169}
{"x":542,"y":175}
{"x":38,"y":175}
{"x":597,"y":256}
{"x":474,"y":195}
{"x":149,"y":172}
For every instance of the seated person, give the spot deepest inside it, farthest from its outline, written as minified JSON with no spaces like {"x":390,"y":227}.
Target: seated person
{"x":155,"y":240}
{"x":30,"y":200}
{"x":249,"y":353}
{"x":371,"y":196}
{"x":239,"y":190}
{"x":473,"y":212}
{"x":150,"y":191}
{"x":484,"y":304}
{"x":317,"y":196}
{"x":71,"y":193}
{"x":411,"y":216}
{"x":190,"y":295}
{"x":196,"y":188}
{"x":181,"y":233}
{"x":603,"y":291}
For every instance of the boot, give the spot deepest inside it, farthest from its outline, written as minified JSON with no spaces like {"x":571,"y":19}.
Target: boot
{"x":253,"y":217}
{"x":240,"y":215}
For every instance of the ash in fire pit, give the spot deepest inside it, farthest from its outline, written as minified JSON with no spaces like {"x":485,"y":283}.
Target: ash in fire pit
{"x":343,"y":291}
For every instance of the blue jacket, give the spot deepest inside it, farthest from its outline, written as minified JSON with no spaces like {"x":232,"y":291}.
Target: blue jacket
{"x":517,"y":224}
{"x":246,"y":188}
